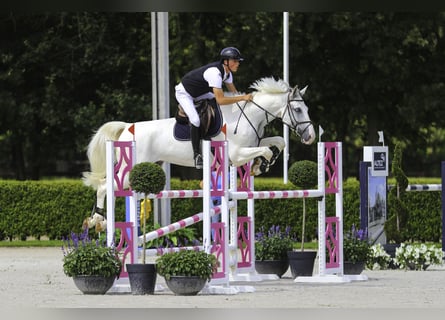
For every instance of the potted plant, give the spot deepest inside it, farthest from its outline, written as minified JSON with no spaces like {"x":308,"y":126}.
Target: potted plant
{"x":418,"y":256}
{"x":378,"y":258}
{"x":271,"y":249}
{"x":356,"y":251}
{"x":186,"y":271}
{"x":146,"y":178}
{"x":303,"y":174}
{"x":92,"y":265}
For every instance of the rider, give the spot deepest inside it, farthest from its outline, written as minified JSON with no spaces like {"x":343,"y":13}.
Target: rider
{"x":206,"y":83}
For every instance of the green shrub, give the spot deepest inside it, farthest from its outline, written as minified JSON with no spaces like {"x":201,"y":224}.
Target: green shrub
{"x":186,"y":263}
{"x":304,"y":174}
{"x":84,"y":257}
{"x":398,"y":213}
{"x":57,"y":207}
{"x":273,"y":244}
{"x":147,"y":177}
{"x":51,"y":208}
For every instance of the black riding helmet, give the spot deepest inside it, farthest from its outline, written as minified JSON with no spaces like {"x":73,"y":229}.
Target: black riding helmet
{"x":231,"y":53}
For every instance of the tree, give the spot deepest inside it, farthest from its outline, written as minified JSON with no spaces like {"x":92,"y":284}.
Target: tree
{"x":366,"y":70}
{"x":62,"y":75}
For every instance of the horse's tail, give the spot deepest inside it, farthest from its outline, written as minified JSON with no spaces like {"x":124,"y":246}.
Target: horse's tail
{"x":96,"y":152}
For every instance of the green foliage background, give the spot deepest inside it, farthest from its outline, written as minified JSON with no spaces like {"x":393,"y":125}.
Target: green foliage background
{"x":57,"y":207}
{"x":63,"y":74}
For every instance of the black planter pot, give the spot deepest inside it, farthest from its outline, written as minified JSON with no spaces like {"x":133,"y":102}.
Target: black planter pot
{"x":94,"y":284}
{"x":390,"y":249}
{"x":185,"y":285}
{"x":278,"y":267}
{"x":301,"y":263}
{"x":353,"y":267}
{"x":142,"y":278}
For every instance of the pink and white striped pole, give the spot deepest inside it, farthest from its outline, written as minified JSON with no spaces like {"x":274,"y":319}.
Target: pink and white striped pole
{"x":280,"y":194}
{"x":176,"y":194}
{"x":178,"y":225}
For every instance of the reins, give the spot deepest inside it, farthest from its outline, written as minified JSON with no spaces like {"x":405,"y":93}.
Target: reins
{"x":291,"y":116}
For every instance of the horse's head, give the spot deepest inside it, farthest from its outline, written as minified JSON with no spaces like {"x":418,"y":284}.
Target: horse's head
{"x":294,"y":113}
{"x":296,"y":116}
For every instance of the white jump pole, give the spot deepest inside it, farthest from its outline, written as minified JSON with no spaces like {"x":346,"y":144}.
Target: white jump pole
{"x":321,"y":210}
{"x":110,"y":192}
{"x":206,"y":233}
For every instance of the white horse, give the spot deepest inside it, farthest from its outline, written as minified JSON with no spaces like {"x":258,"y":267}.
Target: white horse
{"x":245,"y":123}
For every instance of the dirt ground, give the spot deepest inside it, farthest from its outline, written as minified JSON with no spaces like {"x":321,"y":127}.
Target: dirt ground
{"x":33,"y":278}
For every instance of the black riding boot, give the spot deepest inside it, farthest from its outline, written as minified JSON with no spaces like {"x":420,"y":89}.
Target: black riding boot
{"x":195,"y":136}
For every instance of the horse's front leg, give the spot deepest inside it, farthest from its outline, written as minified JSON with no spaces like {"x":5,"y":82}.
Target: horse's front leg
{"x":276,"y":145}
{"x":240,"y":156}
{"x":262,"y":164}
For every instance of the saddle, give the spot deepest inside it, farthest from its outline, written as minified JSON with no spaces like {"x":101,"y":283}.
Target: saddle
{"x":210,"y":118}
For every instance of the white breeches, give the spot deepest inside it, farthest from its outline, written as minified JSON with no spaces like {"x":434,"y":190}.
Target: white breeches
{"x":187,"y":103}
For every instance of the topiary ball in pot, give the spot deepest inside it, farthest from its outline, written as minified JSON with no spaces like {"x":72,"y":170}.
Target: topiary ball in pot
{"x":304,"y":174}
{"x":147,"y":177}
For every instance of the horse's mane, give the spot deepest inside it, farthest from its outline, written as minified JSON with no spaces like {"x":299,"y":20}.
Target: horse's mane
{"x":270,"y":85}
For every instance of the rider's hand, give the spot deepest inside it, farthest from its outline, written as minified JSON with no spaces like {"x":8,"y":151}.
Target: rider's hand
{"x":248,"y":97}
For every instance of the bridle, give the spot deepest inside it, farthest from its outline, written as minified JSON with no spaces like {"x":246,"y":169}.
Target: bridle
{"x":294,"y":125}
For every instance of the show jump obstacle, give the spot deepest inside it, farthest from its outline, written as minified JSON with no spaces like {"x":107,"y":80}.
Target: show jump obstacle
{"x":233,"y":240}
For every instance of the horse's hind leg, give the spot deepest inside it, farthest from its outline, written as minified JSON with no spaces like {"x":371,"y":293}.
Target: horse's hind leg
{"x":97,"y":218}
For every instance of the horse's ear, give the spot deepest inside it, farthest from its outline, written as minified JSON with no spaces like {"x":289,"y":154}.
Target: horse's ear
{"x":302,"y":91}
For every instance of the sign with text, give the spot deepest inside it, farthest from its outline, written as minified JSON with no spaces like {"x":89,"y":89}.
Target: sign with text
{"x":378,"y":156}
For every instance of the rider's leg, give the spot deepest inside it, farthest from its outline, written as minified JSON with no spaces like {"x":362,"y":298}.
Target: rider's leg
{"x":195,"y":137}
{"x":187,"y":104}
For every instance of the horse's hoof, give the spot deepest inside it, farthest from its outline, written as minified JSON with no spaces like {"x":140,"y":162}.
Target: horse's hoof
{"x":101,"y":226}
{"x":90,"y":222}
{"x":276,"y":153}
{"x":264,"y":166}
{"x":254,"y":170}
{"x":86,"y":224}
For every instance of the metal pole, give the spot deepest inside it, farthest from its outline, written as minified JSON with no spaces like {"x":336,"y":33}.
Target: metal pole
{"x":161,"y":96}
{"x":443,"y":204}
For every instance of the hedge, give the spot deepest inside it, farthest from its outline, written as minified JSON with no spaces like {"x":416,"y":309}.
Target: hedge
{"x":54,"y":208}
{"x":49,"y":208}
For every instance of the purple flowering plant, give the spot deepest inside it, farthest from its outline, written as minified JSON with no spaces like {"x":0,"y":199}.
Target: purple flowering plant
{"x":273,"y":244}
{"x":356,"y":246}
{"x":85,"y":256}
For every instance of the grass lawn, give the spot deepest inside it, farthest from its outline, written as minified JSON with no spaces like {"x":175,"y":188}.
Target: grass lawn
{"x":31,"y":243}
{"x":59,"y":243}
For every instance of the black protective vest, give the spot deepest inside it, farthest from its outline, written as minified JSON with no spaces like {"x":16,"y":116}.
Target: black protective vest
{"x":194,"y":81}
